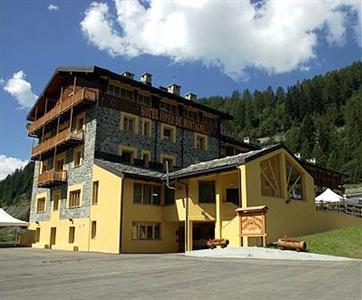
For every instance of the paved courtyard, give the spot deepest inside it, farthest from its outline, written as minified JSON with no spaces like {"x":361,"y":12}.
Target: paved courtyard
{"x":43,"y":274}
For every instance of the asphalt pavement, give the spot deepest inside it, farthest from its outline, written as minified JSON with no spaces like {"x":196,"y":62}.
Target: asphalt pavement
{"x":27,"y":273}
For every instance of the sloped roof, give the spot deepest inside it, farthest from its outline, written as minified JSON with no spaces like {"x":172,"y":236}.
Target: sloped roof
{"x":219,"y":164}
{"x":202,"y":168}
{"x":105,"y":72}
{"x":121,"y":170}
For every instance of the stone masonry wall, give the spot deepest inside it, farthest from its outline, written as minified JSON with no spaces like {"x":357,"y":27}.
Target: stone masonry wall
{"x":110,"y":136}
{"x":81,"y":174}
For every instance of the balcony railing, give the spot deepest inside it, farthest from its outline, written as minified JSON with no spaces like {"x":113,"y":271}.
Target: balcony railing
{"x":52,"y":178}
{"x":62,"y":138}
{"x":83,"y":94}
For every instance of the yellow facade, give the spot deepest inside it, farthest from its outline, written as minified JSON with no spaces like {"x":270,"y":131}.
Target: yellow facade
{"x":121,"y":220}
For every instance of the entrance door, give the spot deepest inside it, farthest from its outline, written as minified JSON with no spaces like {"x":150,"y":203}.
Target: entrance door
{"x":181,"y":238}
{"x":53,"y":232}
{"x":201,"y":233}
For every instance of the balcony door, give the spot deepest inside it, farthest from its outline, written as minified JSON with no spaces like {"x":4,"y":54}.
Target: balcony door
{"x":59,"y":165}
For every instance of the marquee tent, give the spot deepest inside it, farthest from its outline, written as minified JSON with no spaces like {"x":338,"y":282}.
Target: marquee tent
{"x":328,"y":196}
{"x":8,"y":220}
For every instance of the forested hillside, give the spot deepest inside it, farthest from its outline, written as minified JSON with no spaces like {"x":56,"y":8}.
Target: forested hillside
{"x":16,"y":187}
{"x":320,"y":118}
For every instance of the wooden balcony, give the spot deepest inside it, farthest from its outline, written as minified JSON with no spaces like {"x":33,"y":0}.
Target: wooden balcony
{"x":52,"y":178}
{"x":62,"y":140}
{"x":82,"y":96}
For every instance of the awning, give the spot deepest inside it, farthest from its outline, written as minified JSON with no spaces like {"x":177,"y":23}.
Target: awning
{"x":8,"y":220}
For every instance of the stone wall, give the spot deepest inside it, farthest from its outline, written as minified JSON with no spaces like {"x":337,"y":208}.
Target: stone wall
{"x":78,"y":175}
{"x":110,"y":136}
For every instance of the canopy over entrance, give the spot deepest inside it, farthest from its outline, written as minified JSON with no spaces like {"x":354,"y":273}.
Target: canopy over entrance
{"x":8,"y":220}
{"x":328,"y":196}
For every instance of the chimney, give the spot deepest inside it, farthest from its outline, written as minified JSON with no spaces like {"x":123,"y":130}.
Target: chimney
{"x":191,"y":96}
{"x":174,"y":89}
{"x":128,"y":74}
{"x":146,"y":78}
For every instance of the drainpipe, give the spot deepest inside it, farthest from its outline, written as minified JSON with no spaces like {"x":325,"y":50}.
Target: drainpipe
{"x":239,"y":186}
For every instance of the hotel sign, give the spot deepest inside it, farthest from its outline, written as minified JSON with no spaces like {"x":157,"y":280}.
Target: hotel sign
{"x":157,"y":115}
{"x":171,"y":119}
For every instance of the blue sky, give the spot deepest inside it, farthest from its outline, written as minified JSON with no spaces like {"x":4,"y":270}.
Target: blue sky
{"x":184,"y":44}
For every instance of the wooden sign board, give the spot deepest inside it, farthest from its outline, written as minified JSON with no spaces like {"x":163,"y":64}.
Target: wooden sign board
{"x":252,"y":225}
{"x":252,"y":222}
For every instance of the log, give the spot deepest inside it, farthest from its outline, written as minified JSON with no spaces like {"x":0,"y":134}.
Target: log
{"x":291,"y":244}
{"x":213,"y":243}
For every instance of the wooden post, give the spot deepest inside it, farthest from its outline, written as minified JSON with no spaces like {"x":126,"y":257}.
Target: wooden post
{"x":71,"y":111}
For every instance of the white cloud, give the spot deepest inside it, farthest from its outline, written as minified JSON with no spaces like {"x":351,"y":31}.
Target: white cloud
{"x":53,"y":7}
{"x":9,"y":164}
{"x":20,"y":89}
{"x":275,"y":35}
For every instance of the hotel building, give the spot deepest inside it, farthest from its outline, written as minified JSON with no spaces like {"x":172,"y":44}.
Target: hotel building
{"x":100,"y":182}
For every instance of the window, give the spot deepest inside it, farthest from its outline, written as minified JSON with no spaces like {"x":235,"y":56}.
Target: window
{"x":77,"y":158}
{"x":137,"y":193}
{"x":127,"y":94}
{"x":146,"y":127}
{"x":210,"y":121}
{"x":169,"y":196}
{"x":146,"y":157}
{"x":146,"y":231}
{"x":144,"y":100}
{"x":207,"y":192}
{"x":294,"y":182}
{"x":232,"y":195}
{"x":146,"y":194}
{"x":37,"y":235}
{"x":56,"y":199}
{"x":167,"y":107}
{"x":270,"y":177}
{"x":71,"y":234}
{"x":129,"y":122}
{"x":94,"y":229}
{"x":120,"y":92}
{"x":128,"y":154}
{"x":95,"y":193}
{"x":74,"y":199}
{"x":200,"y":141}
{"x":156,"y":195}
{"x":170,"y":162}
{"x":40,"y":205}
{"x":192,"y":115}
{"x":168,"y":133}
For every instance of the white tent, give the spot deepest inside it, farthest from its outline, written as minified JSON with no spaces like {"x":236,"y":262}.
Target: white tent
{"x":329,"y":196}
{"x":7,"y":220}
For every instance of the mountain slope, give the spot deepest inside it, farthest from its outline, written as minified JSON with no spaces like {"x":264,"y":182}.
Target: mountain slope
{"x":320,"y":118}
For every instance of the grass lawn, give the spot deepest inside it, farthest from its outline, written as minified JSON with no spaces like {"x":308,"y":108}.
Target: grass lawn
{"x":340,"y":242}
